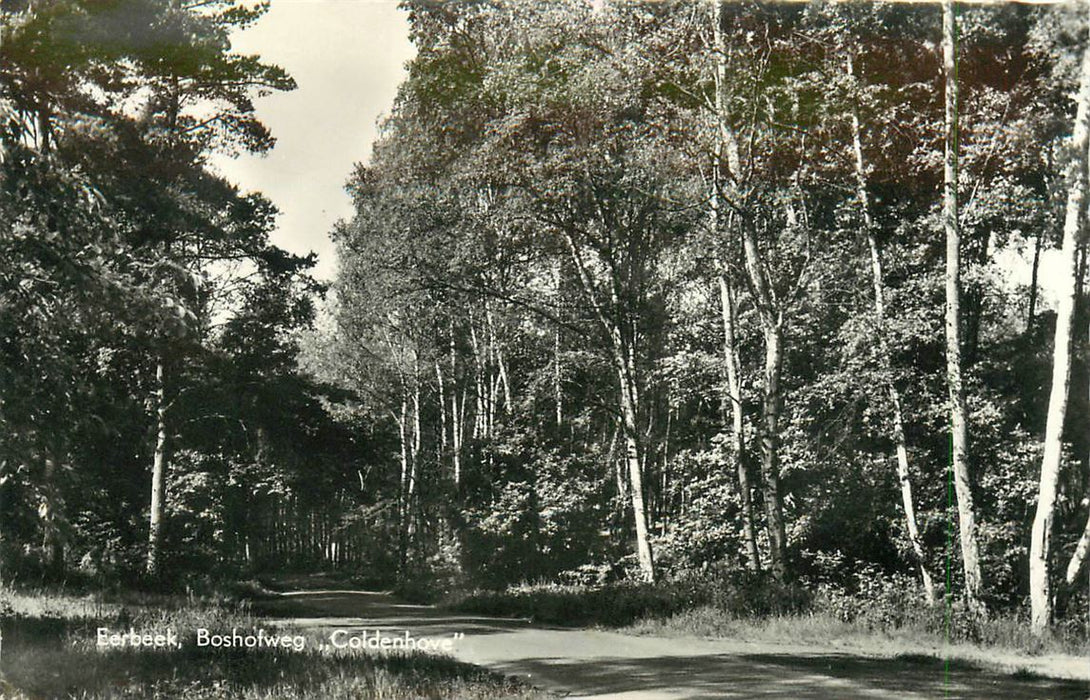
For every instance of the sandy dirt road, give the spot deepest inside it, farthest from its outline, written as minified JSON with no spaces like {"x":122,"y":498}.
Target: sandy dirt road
{"x":599,"y":664}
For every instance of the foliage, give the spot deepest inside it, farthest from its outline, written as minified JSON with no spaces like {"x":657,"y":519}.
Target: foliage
{"x":533,"y":253}
{"x":623,"y":603}
{"x":527,"y":315}
{"x":126,"y":261}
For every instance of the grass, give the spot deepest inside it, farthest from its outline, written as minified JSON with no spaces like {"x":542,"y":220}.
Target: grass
{"x":49,"y":651}
{"x":887,"y":619}
{"x":1001,"y":644}
{"x":709,"y":622}
{"x":819,"y":626}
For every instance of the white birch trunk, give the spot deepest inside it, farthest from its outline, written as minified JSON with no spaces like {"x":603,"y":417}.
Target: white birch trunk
{"x":900,"y":443}
{"x":726,"y":148}
{"x":959,"y":429}
{"x":501,"y":364}
{"x":456,"y":416}
{"x":633,"y":459}
{"x":558,"y":388}
{"x":442,"y":400}
{"x":623,"y":356}
{"x":772,"y":330}
{"x":770,"y":436}
{"x":1040,"y":593}
{"x":733,"y":401}
{"x":158,"y":475}
{"x":402,"y":495}
{"x":1078,"y":558}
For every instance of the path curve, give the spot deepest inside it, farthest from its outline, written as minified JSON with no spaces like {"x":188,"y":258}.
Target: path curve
{"x":598,"y":664}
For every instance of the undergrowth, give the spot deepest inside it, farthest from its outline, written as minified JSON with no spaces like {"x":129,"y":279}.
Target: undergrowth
{"x":755,"y":607}
{"x":623,"y":603}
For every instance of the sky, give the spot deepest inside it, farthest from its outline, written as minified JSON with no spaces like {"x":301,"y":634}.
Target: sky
{"x":348,"y":58}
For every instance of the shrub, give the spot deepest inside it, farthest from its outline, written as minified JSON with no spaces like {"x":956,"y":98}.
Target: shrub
{"x":622,"y":603}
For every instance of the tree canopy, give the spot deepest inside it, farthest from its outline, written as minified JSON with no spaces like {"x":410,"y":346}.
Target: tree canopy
{"x":630,"y":291}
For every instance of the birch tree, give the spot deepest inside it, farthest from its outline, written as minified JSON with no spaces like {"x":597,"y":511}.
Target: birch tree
{"x":726,"y":172}
{"x":1051,"y":461}
{"x":895,"y":406}
{"x":761,"y":153}
{"x":959,"y":429}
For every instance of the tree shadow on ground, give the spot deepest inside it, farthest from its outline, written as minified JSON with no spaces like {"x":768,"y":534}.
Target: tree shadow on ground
{"x":832,"y":676}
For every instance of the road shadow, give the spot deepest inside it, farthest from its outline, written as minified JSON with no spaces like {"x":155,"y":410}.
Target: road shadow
{"x":606,"y":664}
{"x":832,"y":676}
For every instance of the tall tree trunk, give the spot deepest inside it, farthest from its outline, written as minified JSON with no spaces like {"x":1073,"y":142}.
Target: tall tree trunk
{"x":501,"y":363}
{"x":770,"y":436}
{"x":772,"y":329}
{"x":441,"y":443}
{"x":458,"y":410}
{"x":414,"y":463}
{"x":50,"y":515}
{"x":633,"y":458}
{"x":456,"y":416}
{"x":664,"y":483}
{"x":558,"y":387}
{"x":478,"y":380}
{"x":899,"y":441}
{"x":732,"y":406}
{"x":158,"y":474}
{"x":726,"y":171}
{"x":618,"y":473}
{"x":623,"y":354}
{"x":1040,"y":594}
{"x":959,"y":428}
{"x":403,"y":490}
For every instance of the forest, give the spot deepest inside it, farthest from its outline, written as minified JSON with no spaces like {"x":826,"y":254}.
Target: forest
{"x":793,"y":294}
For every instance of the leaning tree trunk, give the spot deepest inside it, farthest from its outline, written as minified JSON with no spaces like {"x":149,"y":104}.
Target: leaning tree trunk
{"x":959,"y":430}
{"x":158,"y":475}
{"x":1079,"y":557}
{"x":623,"y":354}
{"x":900,"y":443}
{"x":1040,"y":595}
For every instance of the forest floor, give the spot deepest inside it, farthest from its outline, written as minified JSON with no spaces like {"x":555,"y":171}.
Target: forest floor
{"x":604,"y":664}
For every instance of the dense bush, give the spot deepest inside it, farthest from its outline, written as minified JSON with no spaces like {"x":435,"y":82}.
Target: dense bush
{"x":622,"y":603}
{"x":876,"y":602}
{"x":869,"y":602}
